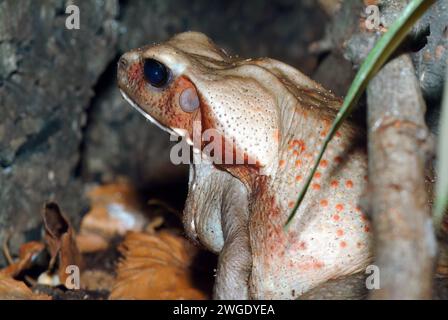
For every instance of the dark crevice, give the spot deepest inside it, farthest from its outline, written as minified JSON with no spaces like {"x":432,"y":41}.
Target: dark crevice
{"x":39,"y":140}
{"x":420,"y":40}
{"x":412,"y":44}
{"x":59,"y":10}
{"x":99,"y":89}
{"x":122,"y":4}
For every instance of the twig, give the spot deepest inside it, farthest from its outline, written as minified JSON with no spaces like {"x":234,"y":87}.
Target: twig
{"x":405,"y":243}
{"x":5,"y":249}
{"x":31,"y":282}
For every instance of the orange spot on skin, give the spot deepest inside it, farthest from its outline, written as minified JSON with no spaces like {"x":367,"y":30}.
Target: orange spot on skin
{"x":364,"y":217}
{"x":342,"y":244}
{"x":359,"y":244}
{"x":298,"y":163}
{"x":338,"y":134}
{"x":339,"y":207}
{"x":301,"y":144}
{"x":358,"y":208}
{"x":324,"y":202}
{"x":281,"y":163}
{"x":307,"y":266}
{"x":324,"y":163}
{"x":323,"y":134}
{"x":366,"y":229}
{"x":338,"y":159}
{"x":298,"y":178}
{"x":349,"y":184}
{"x":302,"y":245}
{"x":291,"y":204}
{"x":316,"y":186}
{"x":339,"y":232}
{"x":276,"y":135}
{"x":295,"y":153}
{"x":334,"y":184}
{"x":336,"y":217}
{"x":317,"y":175}
{"x":308,"y":155}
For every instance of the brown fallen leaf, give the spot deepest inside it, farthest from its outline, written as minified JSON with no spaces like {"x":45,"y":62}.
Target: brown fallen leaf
{"x":115,"y":209}
{"x":90,"y":242}
{"x":97,"y":280}
{"x":155,"y":267}
{"x":27,"y":252}
{"x":60,"y":240}
{"x":11,"y":289}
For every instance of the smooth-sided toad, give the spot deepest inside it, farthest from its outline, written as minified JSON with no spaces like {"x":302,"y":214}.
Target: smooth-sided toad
{"x":275,"y":118}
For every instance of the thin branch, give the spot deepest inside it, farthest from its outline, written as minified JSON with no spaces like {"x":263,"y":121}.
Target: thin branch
{"x":398,"y":151}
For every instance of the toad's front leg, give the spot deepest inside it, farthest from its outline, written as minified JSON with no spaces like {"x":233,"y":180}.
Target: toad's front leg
{"x":216,"y":214}
{"x":235,"y":260}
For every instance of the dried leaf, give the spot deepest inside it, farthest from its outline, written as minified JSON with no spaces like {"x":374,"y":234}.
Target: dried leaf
{"x":11,"y":289}
{"x":60,"y":240}
{"x":155,"y":267}
{"x":27,"y":254}
{"x":97,"y":280}
{"x":90,"y":242}
{"x":115,"y":210}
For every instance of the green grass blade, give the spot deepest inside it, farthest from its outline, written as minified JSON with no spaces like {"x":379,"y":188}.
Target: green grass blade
{"x":385,"y":46}
{"x":441,"y":201}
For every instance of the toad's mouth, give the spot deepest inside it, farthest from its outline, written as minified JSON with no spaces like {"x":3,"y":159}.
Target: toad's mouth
{"x":148,"y":116}
{"x":177,"y":132}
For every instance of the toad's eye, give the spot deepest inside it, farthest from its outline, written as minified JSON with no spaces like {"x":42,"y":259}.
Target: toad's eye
{"x":156,"y":73}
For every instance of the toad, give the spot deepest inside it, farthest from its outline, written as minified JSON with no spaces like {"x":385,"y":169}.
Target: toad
{"x":273,"y":118}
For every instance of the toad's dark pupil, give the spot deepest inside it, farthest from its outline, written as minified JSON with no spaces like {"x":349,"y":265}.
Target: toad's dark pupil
{"x":155,"y":73}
